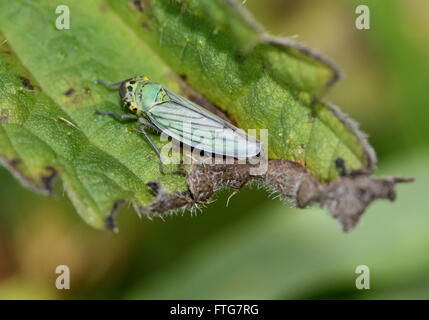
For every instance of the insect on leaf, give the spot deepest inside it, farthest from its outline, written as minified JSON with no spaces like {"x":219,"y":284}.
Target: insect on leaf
{"x":48,"y":96}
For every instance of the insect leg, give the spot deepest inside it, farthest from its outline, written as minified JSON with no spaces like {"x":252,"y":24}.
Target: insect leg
{"x":152,"y":144}
{"x":127,"y":116}
{"x":148,"y":125}
{"x":109,"y":85}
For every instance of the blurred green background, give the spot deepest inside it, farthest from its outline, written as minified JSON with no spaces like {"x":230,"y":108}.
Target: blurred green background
{"x":257,"y":247}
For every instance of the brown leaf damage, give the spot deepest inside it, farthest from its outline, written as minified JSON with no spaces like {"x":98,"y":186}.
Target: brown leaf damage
{"x":42,"y":183}
{"x":346,"y":198}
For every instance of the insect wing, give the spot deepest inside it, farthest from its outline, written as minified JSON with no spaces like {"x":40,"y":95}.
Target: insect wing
{"x":193,"y":125}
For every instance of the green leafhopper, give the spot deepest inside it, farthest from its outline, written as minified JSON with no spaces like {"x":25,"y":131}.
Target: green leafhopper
{"x":158,"y":108}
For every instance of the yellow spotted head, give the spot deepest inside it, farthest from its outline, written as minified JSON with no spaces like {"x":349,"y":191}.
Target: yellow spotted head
{"x":127,"y":92}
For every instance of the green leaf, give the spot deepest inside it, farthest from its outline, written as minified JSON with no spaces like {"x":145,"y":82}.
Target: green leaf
{"x":52,"y":128}
{"x":48,"y":94}
{"x":259,"y":80}
{"x":39,"y":139}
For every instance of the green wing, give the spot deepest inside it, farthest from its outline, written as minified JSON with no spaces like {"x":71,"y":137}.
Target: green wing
{"x":195,"y":126}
